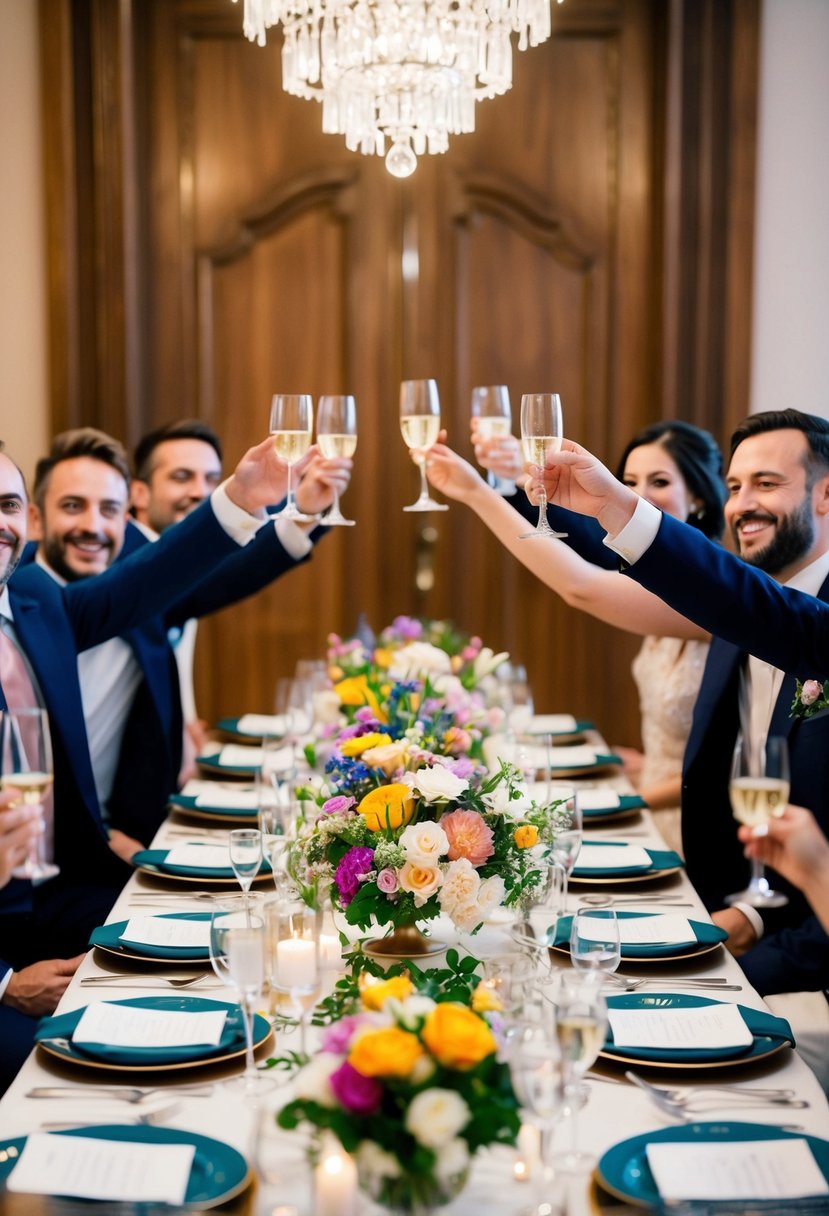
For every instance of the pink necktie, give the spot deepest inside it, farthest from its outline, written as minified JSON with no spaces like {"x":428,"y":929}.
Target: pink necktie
{"x":19,"y":692}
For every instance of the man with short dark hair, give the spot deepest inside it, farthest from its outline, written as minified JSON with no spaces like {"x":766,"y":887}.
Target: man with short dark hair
{"x":176,"y":467}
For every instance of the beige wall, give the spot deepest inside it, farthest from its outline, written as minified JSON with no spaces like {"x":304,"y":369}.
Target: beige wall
{"x":23,"y":354}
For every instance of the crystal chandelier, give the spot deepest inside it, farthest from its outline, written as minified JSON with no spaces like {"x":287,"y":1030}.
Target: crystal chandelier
{"x":401,"y":75}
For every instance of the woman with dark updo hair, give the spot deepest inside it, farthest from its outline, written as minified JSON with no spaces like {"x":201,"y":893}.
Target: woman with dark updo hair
{"x":678,"y":468}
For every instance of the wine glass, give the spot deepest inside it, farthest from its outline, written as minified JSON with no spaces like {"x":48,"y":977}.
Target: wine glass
{"x":759,"y":791}
{"x":567,"y":832}
{"x":535,"y":1066}
{"x":515,"y":695}
{"x":581,"y":1027}
{"x":292,"y":420}
{"x":294,"y":954}
{"x":337,"y":436}
{"x":245,"y":849}
{"x":594,"y":940}
{"x":26,"y":769}
{"x":491,"y":406}
{"x":420,"y":426}
{"x":237,"y":955}
{"x":542,"y":430}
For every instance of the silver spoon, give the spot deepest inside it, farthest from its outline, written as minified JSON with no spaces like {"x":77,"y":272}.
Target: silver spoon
{"x":602,"y":901}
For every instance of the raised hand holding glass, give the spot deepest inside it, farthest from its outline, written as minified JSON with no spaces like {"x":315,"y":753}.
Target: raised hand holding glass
{"x":26,"y":770}
{"x":337,"y":436}
{"x":542,"y":430}
{"x":291,"y":424}
{"x":491,"y":406}
{"x":420,"y":427}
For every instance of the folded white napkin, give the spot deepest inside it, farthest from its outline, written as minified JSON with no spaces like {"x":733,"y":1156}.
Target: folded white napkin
{"x":668,"y":930}
{"x":714,"y":1026}
{"x":263,"y":724}
{"x":736,"y":1170}
{"x":572,"y":757}
{"x":86,"y":1168}
{"x":203,"y":856}
{"x":551,"y":724}
{"x":598,"y":800}
{"x":132,"y":1026}
{"x":613,"y":857}
{"x":234,"y":755}
{"x":214,"y":794}
{"x":166,"y":931}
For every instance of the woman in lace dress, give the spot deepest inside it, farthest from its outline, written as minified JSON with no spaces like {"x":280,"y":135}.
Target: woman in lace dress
{"x":678,"y":468}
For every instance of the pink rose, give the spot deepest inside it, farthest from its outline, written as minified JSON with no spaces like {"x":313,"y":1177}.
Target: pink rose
{"x":338,"y":805}
{"x":355,"y":1092}
{"x":811,"y":690}
{"x":387,"y":882}
{"x":469,"y":837}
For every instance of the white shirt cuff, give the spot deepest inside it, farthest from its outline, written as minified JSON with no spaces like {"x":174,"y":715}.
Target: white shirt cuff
{"x":296,"y":543}
{"x":240,"y":525}
{"x":4,"y":981}
{"x":752,"y":916}
{"x":638,"y":534}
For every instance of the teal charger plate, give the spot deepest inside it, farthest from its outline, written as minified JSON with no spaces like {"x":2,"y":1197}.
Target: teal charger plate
{"x":706,"y":937}
{"x":108,"y":938}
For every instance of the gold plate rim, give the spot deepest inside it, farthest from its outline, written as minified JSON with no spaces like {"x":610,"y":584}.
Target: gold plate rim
{"x":203,"y":1062}
{"x":698,"y":1065}
{"x":154,"y":872}
{"x":626,"y":879}
{"x":702,"y":948}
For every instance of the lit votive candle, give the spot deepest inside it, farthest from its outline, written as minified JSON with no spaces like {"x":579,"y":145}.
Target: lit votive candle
{"x":331,"y":954}
{"x":335,"y":1184}
{"x":296,"y":963}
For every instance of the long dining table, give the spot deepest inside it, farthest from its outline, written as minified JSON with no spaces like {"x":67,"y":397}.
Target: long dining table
{"x":615,"y":1110}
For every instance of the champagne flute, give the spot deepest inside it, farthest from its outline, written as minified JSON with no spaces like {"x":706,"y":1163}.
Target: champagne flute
{"x":542,"y":430}
{"x":535,"y":1066}
{"x":594,"y":940}
{"x":568,"y":832}
{"x":337,"y":436}
{"x":237,"y":955}
{"x":581,"y":1027}
{"x":491,"y":406}
{"x":245,"y":847}
{"x":420,"y":426}
{"x":292,"y":419}
{"x":26,"y":769}
{"x":759,"y":791}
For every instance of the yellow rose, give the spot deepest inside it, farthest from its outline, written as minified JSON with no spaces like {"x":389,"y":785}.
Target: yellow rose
{"x":360,"y":744}
{"x":457,"y":1037}
{"x":355,"y":691}
{"x":389,"y":806}
{"x":383,"y":657}
{"x":374,"y":996}
{"x":385,"y":1053}
{"x":484,"y":999}
{"x":388,"y":758}
{"x":525,"y":837}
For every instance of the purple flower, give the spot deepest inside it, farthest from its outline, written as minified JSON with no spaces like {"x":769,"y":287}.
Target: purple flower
{"x":338,"y":805}
{"x":387,"y":881}
{"x":407,"y":627}
{"x":464,"y":767}
{"x":337,"y":1037}
{"x":366,"y":716}
{"x":359,"y":1094}
{"x":354,"y":865}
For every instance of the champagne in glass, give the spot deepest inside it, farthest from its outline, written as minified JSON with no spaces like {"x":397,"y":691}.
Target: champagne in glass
{"x":759,"y":791}
{"x":420,"y":426}
{"x":581,"y":1026}
{"x":237,"y":955}
{"x":542,"y":430}
{"x":26,"y":770}
{"x":491,"y":406}
{"x":291,"y":423}
{"x":535,"y":1066}
{"x":337,"y":436}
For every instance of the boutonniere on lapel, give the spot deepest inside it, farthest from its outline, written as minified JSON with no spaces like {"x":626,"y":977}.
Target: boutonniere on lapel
{"x":810,"y":698}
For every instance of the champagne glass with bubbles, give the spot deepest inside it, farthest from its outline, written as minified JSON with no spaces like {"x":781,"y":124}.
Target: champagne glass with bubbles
{"x":542,"y":430}
{"x":291,"y":424}
{"x":26,"y":771}
{"x":759,"y":791}
{"x":581,"y":1026}
{"x":337,"y":436}
{"x":491,"y":406}
{"x":420,"y":427}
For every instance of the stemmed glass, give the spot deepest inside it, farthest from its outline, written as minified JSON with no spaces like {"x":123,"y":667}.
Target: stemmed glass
{"x":491,"y":406}
{"x":581,"y":1026}
{"x":594,"y":941}
{"x":337,"y":436}
{"x":292,"y":420}
{"x":237,"y":955}
{"x":26,"y":769}
{"x":420,"y":427}
{"x":535,"y":1065}
{"x":759,"y":791}
{"x":567,"y":830}
{"x":542,"y":430}
{"x":245,"y":849}
{"x":293,"y":932}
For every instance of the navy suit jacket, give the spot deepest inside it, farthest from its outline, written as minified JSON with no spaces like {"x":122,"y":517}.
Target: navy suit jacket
{"x":757,"y":615}
{"x":53,"y":624}
{"x":584,"y":535}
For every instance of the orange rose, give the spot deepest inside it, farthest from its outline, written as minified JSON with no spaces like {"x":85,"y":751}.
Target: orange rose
{"x":457,"y":1037}
{"x":385,"y":1053}
{"x":526,"y":836}
{"x":374,"y":996}
{"x":389,"y":806}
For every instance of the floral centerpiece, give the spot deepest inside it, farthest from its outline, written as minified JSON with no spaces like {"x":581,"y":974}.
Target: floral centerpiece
{"x":413,"y":1088}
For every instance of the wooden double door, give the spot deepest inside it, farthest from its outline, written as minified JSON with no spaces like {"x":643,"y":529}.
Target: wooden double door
{"x":209,"y":246}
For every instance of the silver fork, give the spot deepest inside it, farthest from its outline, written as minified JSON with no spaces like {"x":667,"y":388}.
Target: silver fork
{"x":152,"y":981}
{"x":133,"y":1095}
{"x":682,"y":1105}
{"x":148,"y":1117}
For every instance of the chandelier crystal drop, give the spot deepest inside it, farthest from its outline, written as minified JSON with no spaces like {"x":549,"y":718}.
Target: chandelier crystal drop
{"x":398,"y":77}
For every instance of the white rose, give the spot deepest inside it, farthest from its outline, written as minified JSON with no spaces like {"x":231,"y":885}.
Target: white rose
{"x":449,"y":686}
{"x":491,"y":894}
{"x":326,"y":707}
{"x":452,"y":1159}
{"x":414,"y":1010}
{"x":313,"y":1082}
{"x":424,"y":842}
{"x":499,"y":802}
{"x":461,"y":884}
{"x":437,"y":784}
{"x":435,"y":1116}
{"x":466,"y":917}
{"x":420,"y":880}
{"x":423,"y":1069}
{"x":418,"y":659}
{"x":486,"y":662}
{"x":375,"y":1163}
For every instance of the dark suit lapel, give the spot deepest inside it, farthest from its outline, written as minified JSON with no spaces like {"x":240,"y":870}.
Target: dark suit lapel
{"x":720,"y":669}
{"x":782,"y":723}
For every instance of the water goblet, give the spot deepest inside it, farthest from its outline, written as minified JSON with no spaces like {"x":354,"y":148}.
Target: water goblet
{"x":491,"y":406}
{"x":291,"y":424}
{"x":245,"y":847}
{"x":542,"y":430}
{"x":581,"y":1027}
{"x":566,"y":825}
{"x":759,"y":791}
{"x":237,"y":956}
{"x":26,"y":770}
{"x":337,"y":436}
{"x":594,"y":940}
{"x":420,"y":426}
